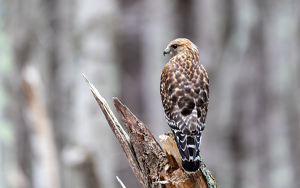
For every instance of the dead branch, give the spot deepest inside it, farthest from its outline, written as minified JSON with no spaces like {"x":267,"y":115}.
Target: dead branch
{"x":152,"y":165}
{"x":120,"y":181}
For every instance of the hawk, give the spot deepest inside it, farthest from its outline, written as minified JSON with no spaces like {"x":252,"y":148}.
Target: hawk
{"x":184,"y":90}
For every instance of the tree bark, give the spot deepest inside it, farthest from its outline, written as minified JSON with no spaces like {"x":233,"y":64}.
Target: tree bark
{"x":152,"y":165}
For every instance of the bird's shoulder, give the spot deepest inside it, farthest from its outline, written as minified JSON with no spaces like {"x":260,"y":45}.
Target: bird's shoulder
{"x":183,"y":65}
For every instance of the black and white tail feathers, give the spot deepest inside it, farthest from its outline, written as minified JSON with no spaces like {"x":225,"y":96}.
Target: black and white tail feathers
{"x":189,"y":148}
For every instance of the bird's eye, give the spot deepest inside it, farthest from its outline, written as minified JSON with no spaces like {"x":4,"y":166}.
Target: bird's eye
{"x":174,"y":46}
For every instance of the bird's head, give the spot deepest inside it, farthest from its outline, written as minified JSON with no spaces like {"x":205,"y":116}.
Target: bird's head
{"x":179,"y":46}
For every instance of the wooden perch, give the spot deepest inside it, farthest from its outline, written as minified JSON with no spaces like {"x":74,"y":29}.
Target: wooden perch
{"x":152,"y":165}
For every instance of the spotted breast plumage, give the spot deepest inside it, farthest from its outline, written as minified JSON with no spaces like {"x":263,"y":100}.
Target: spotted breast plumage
{"x":184,"y":90}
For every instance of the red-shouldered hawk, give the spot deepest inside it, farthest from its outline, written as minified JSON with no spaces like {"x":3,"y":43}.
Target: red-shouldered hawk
{"x":184,"y":90}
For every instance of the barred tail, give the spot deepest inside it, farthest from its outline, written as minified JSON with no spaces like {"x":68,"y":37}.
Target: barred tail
{"x":189,"y":148}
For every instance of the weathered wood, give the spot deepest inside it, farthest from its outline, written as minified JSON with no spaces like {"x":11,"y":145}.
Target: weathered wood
{"x":203,"y":178}
{"x":152,"y":165}
{"x":119,"y":132}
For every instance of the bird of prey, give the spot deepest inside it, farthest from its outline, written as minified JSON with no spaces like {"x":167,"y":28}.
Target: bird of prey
{"x":184,"y":90}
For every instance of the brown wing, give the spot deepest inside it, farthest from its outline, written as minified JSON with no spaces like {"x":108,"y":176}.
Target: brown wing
{"x":185,"y":94}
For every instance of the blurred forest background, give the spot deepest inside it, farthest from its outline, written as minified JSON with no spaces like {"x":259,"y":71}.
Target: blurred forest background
{"x":53,"y":134}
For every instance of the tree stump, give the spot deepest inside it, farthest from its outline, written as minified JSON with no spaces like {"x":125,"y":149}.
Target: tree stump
{"x":152,"y":165}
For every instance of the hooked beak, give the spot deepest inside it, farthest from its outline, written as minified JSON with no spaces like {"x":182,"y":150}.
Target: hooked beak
{"x":167,"y":50}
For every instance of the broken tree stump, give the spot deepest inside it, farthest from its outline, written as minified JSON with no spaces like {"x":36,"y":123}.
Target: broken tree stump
{"x":152,"y":165}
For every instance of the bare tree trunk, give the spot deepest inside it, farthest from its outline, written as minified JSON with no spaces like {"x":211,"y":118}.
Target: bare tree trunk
{"x":155,"y":35}
{"x":44,"y":157}
{"x":94,"y":35}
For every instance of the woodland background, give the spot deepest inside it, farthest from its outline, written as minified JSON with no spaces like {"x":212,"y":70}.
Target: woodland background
{"x":53,"y":134}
